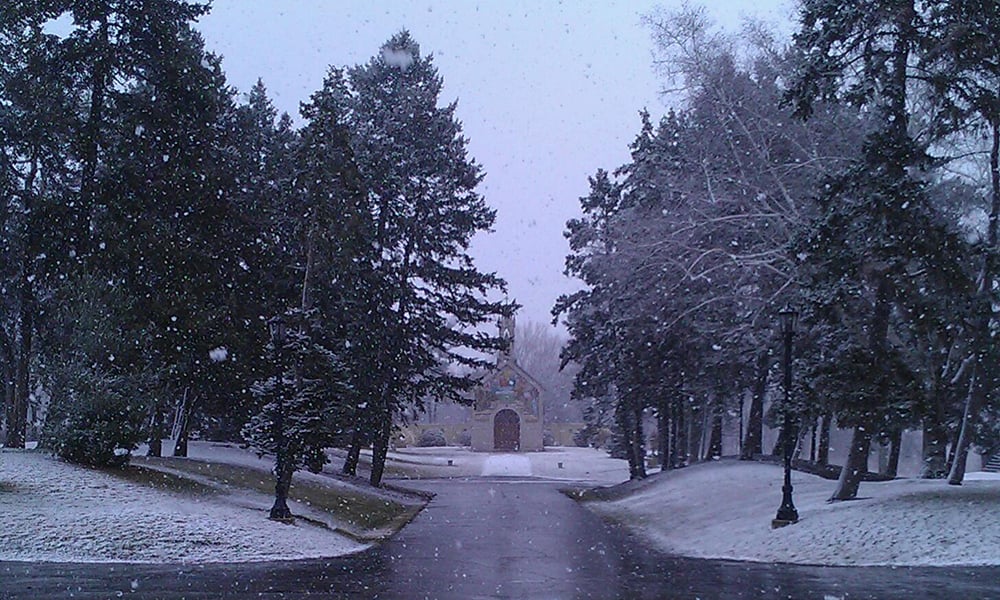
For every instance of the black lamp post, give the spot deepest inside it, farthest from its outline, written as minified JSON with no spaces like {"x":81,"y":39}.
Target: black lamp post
{"x":280,"y":511}
{"x":787,"y":513}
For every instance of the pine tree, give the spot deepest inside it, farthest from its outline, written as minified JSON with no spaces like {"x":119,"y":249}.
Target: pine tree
{"x":427,"y":296}
{"x":168,"y":229}
{"x":299,"y":405}
{"x":36,"y":129}
{"x":962,"y":57}
{"x":876,"y":225}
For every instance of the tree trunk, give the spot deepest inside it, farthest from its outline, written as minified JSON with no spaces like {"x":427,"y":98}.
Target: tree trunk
{"x":623,"y":419}
{"x":960,"y":454}
{"x":155,"y":441}
{"x":851,"y":473}
{"x":7,"y":372}
{"x":184,"y":411}
{"x":754,"y":441}
{"x":9,"y":393}
{"x":812,"y":439}
{"x":892,"y":466}
{"x":855,"y":466}
{"x":823,"y":452}
{"x":696,"y":431}
{"x":680,"y":437}
{"x":715,"y":439}
{"x":17,"y":419}
{"x":354,"y":451}
{"x":639,"y":445}
{"x":380,"y":449}
{"x":663,"y":431}
{"x":952,"y":447}
{"x":8,"y":398}
{"x":800,"y":441}
{"x":934,"y":450}
{"x":91,"y":142}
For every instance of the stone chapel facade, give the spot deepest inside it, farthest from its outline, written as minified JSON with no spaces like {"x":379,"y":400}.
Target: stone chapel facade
{"x":508,"y":414}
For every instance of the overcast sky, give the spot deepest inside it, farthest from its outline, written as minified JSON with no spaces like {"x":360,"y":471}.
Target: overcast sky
{"x":548,"y":92}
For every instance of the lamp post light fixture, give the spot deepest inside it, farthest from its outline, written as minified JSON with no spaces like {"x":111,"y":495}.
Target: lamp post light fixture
{"x":786,"y":512}
{"x":280,"y":511}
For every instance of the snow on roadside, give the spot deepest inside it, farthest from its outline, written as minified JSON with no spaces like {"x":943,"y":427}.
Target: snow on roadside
{"x":724,"y":510}
{"x":53,"y":511}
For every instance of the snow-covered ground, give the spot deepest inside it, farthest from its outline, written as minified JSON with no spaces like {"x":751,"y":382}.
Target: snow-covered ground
{"x":53,"y":511}
{"x":724,"y":510}
{"x":561,"y":463}
{"x":507,"y":465}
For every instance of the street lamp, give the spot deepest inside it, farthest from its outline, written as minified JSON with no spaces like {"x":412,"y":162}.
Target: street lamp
{"x":787,"y":513}
{"x":280,"y":511}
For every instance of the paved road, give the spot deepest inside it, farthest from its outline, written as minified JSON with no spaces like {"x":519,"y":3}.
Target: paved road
{"x":499,"y":538}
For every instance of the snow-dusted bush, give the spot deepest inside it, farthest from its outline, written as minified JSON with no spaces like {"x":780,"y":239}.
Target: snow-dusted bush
{"x":464,"y":438}
{"x":97,"y":384}
{"x":92,"y":420}
{"x":431,"y":437}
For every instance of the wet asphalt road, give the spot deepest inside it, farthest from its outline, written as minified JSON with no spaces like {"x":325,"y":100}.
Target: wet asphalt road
{"x":499,"y":538}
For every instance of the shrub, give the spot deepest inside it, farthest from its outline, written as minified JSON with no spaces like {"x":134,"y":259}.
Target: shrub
{"x":97,"y":378}
{"x":548,"y":439}
{"x":92,"y":421}
{"x":464,"y":438}
{"x":431,"y":437}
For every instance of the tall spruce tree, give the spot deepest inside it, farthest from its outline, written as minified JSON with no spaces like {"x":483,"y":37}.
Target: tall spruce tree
{"x":428,"y":297}
{"x":167,"y":229}
{"x":316,"y":235}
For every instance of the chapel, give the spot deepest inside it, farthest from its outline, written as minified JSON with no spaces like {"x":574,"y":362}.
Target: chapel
{"x":508,"y":414}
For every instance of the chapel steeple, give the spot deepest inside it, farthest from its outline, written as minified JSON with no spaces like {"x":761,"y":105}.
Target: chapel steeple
{"x":507,"y":334}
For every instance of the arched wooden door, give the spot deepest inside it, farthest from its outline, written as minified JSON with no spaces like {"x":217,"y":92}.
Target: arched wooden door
{"x":507,"y":431}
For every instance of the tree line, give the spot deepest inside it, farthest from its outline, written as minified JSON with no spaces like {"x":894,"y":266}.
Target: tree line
{"x":851,"y":173}
{"x":155,"y":222}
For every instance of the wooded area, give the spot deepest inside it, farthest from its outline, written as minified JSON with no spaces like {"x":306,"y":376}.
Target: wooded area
{"x":852,"y":174}
{"x":155,"y":221}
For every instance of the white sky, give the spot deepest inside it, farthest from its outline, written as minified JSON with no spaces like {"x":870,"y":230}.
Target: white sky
{"x":548,"y":92}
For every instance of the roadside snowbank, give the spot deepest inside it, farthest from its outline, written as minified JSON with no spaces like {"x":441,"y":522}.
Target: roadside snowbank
{"x":53,"y":511}
{"x":724,"y":510}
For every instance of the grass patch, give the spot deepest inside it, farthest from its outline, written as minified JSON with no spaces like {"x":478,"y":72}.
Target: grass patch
{"x":162,"y":480}
{"x":366,"y":516}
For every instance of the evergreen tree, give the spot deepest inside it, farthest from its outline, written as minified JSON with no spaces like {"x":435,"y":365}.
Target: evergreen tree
{"x":878,"y":237}
{"x":427,"y":296}
{"x":168,"y":230}
{"x":36,"y":127}
{"x":299,"y":405}
{"x":962,"y":57}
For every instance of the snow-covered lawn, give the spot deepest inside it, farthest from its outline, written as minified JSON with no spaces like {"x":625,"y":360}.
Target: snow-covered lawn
{"x":556,"y":462}
{"x":724,"y":510}
{"x":507,"y":465}
{"x":53,"y":511}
